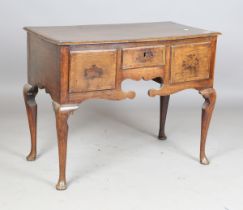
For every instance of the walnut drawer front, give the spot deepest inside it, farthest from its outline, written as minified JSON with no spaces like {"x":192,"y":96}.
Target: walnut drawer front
{"x":92,"y":70}
{"x":190,"y":62}
{"x":146,"y":56}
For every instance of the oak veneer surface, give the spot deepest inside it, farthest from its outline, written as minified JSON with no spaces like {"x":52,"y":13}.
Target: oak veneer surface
{"x":92,"y":70}
{"x":190,"y":62}
{"x":110,"y":33}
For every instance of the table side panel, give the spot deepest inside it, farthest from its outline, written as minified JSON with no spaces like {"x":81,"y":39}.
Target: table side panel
{"x":44,"y":65}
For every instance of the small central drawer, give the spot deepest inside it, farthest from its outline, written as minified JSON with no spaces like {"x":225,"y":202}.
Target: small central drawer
{"x":147,"y":56}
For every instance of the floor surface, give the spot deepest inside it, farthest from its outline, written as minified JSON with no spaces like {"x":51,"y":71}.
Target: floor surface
{"x":115,"y":161}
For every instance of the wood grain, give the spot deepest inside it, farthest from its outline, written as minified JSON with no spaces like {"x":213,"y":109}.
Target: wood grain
{"x":30,"y":93}
{"x":118,"y":33}
{"x":92,"y":70}
{"x":44,"y":66}
{"x":77,"y":63}
{"x":62,"y":113}
{"x":148,"y":56}
{"x":190,"y":62}
{"x":210,"y":98}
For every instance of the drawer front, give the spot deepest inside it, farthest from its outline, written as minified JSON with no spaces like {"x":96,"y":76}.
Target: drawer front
{"x":148,"y":56}
{"x":92,"y":70}
{"x":190,"y":62}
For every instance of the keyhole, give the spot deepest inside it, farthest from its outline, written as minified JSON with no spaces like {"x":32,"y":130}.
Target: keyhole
{"x":147,"y":54}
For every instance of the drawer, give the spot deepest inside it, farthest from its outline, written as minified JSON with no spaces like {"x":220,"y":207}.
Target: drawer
{"x":92,"y":70}
{"x":147,"y":56}
{"x":190,"y":62}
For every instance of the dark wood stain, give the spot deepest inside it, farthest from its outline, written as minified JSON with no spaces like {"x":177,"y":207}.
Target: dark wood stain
{"x":93,"y":72}
{"x":73,"y":68}
{"x":191,"y":64}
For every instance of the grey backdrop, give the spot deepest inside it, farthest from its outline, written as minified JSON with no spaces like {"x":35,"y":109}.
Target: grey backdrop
{"x":223,"y":16}
{"x":114,"y":159}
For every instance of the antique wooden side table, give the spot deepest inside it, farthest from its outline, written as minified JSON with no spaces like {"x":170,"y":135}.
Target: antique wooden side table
{"x":75,"y":63}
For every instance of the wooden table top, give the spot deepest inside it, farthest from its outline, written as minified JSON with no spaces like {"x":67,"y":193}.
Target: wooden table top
{"x":113,"y":33}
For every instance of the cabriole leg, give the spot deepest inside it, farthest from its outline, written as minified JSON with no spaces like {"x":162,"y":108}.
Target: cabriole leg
{"x":30,"y":93}
{"x":62,"y":113}
{"x":210,"y":98}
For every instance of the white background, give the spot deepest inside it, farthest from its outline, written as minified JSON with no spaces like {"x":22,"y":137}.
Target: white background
{"x":113,"y":155}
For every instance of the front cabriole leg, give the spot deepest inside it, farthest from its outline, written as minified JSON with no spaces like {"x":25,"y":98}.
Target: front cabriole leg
{"x":210,"y":98}
{"x":62,"y":113}
{"x":30,"y":93}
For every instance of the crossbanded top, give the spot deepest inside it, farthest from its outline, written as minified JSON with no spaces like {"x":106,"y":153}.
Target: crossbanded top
{"x":117,"y":33}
